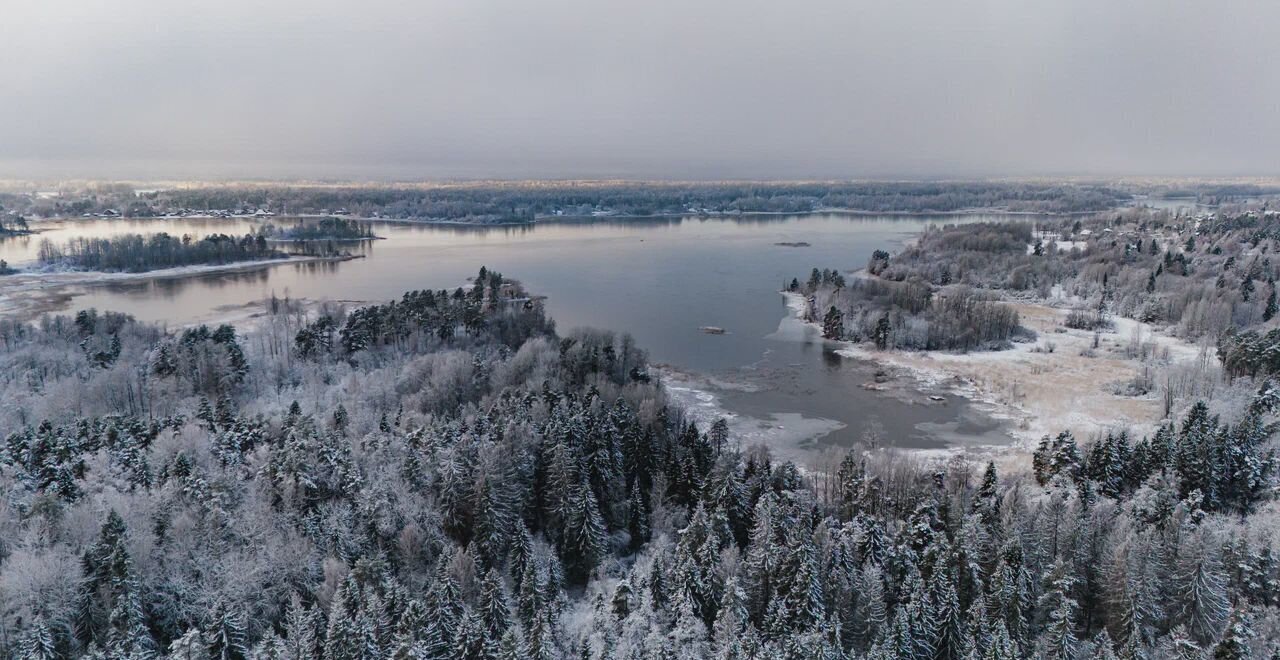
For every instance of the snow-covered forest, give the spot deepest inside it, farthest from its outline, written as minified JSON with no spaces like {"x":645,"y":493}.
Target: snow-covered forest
{"x":445,"y":476}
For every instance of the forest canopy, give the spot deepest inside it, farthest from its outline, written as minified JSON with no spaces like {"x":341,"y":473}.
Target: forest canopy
{"x":446,"y":476}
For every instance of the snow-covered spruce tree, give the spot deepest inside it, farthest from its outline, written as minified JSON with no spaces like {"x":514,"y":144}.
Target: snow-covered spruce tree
{"x":503,"y":492}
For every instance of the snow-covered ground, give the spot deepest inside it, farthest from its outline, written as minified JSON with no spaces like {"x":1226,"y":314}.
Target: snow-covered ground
{"x":1059,"y":382}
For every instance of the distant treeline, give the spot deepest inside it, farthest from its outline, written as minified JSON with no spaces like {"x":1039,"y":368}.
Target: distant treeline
{"x":135,"y":253}
{"x":1214,"y":193}
{"x":524,"y":202}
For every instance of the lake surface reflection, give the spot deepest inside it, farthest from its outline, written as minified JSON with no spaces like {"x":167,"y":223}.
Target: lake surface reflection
{"x":659,"y":279}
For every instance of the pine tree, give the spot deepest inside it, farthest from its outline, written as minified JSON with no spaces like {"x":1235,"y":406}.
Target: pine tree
{"x":1001,"y":646}
{"x":807,"y":600}
{"x":900,"y":639}
{"x":533,"y":595}
{"x":584,"y":537}
{"x":1058,"y":641}
{"x":731,"y":616}
{"x":1040,"y":461}
{"x":512,"y":648}
{"x":1177,"y":645}
{"x":986,"y":501}
{"x":444,"y":611}
{"x":542,"y":643}
{"x":340,"y":418}
{"x":409,"y":634}
{"x":1235,"y":641}
{"x":469,"y":641}
{"x":300,"y":627}
{"x":921,"y":626}
{"x":1108,"y":462}
{"x":226,"y":636}
{"x":761,"y":562}
{"x":1103,"y":648}
{"x":1202,"y":591}
{"x":833,"y":324}
{"x":950,"y":636}
{"x":495,"y":611}
{"x":637,"y":517}
{"x":270,"y":647}
{"x":718,"y":435}
{"x":689,"y":634}
{"x":979,"y":624}
{"x":882,"y":335}
{"x":493,"y":517}
{"x":109,"y":610}
{"x":343,"y":636}
{"x":38,"y":644}
{"x":697,"y":558}
{"x":520,"y":554}
{"x":871,"y":613}
{"x":1065,"y":456}
{"x":191,"y":646}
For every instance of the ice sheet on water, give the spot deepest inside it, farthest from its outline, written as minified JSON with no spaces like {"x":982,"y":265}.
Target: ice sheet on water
{"x":790,"y":435}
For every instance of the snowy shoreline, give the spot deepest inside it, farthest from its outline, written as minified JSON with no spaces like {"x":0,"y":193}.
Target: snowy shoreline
{"x":1042,"y":388}
{"x":30,"y":292}
{"x":789,"y":435}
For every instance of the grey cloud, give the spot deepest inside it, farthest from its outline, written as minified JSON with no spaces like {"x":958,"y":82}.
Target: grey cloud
{"x":663,"y":88}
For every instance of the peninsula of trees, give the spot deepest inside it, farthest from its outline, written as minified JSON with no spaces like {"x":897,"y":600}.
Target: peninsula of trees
{"x":907,"y":315}
{"x":1204,"y":277}
{"x":135,"y":253}
{"x":445,"y":476}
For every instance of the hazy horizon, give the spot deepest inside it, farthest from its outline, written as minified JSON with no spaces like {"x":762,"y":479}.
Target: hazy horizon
{"x":396,"y":90}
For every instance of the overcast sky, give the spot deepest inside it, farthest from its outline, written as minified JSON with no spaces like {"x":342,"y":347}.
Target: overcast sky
{"x":414,"y":89}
